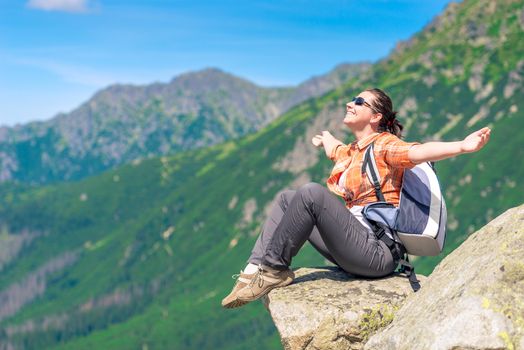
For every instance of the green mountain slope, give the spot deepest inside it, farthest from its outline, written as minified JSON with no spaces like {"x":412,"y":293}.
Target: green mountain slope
{"x":464,"y":71}
{"x":150,"y":244}
{"x":140,"y":256}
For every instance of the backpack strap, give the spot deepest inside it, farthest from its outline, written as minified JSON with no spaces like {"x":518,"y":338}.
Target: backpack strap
{"x":398,"y":252}
{"x":369,"y":166}
{"x":407,"y":268}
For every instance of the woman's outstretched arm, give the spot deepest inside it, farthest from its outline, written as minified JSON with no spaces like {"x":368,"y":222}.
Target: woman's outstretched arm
{"x":433,"y":151}
{"x":329,"y":142}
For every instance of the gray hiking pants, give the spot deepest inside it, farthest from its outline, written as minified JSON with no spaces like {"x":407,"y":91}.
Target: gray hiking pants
{"x":313,"y":213}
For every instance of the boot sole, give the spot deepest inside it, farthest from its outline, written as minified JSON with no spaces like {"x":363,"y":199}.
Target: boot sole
{"x":234,"y":304}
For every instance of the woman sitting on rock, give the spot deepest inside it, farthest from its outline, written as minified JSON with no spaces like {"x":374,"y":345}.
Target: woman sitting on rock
{"x":313,"y":213}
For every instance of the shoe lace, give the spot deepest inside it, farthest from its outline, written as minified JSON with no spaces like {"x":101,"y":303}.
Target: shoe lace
{"x":237,"y":275}
{"x":257,"y":278}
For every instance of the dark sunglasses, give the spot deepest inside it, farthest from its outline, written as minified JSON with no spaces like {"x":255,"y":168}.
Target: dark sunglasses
{"x":359,"y":101}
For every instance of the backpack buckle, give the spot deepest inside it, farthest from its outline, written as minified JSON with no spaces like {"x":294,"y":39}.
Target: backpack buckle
{"x":409,"y":270}
{"x":380,"y":233}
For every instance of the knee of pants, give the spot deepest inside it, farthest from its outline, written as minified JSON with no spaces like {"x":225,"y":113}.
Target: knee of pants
{"x":284,"y":197}
{"x":312,"y":191}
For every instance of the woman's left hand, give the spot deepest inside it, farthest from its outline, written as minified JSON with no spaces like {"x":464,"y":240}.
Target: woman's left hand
{"x":475,"y":141}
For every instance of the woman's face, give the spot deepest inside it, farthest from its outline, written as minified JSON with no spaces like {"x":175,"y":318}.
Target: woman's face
{"x":358,"y":117}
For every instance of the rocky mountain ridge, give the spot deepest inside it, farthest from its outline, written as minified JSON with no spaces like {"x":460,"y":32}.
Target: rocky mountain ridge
{"x":125,"y":122}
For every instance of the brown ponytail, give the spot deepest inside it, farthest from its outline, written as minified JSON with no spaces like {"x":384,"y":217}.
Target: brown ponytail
{"x":382,"y":104}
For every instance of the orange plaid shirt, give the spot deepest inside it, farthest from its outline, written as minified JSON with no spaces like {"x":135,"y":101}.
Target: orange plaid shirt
{"x":348,"y":181}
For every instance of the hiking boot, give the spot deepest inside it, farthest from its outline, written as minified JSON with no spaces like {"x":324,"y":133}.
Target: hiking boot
{"x":263,"y":281}
{"x":231,"y":301}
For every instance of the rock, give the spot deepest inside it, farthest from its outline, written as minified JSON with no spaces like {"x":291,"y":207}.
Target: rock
{"x":474,"y":299}
{"x":325,"y":308}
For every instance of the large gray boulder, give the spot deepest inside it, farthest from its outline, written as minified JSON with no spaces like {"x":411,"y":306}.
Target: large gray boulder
{"x":327,"y":309}
{"x":474,"y":299}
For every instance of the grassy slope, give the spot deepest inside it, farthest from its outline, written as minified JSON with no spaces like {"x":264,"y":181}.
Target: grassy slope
{"x":126,"y":219}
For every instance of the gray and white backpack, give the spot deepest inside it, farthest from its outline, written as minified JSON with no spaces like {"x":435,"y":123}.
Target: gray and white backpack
{"x":420,"y":219}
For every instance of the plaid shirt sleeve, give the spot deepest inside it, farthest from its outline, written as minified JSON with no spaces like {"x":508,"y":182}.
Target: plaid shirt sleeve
{"x":339,"y":151}
{"x":395,"y":152}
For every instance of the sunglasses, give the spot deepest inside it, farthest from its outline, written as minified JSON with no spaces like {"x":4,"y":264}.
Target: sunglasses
{"x":359,"y":101}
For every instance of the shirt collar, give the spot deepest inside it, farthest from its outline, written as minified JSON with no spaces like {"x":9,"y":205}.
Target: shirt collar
{"x":366,"y":141}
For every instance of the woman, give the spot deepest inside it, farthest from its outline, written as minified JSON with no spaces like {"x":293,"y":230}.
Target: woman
{"x":312,"y":213}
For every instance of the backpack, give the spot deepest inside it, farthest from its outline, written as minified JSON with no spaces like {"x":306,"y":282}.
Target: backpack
{"x":419,"y":222}
{"x":420,"y":219}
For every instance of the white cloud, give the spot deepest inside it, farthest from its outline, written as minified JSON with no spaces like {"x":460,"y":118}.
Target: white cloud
{"x":78,"y":74}
{"x":59,"y":5}
{"x":74,"y":74}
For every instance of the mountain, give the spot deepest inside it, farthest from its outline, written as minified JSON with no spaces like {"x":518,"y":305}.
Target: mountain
{"x":124,"y":122}
{"x":141,"y":255}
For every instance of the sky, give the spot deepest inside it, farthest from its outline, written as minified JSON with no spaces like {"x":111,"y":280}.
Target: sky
{"x":55,"y":54}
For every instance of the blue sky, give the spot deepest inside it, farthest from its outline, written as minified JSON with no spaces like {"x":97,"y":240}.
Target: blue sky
{"x":55,"y":54}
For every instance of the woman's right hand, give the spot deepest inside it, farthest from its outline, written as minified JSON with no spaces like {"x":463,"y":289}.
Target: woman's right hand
{"x":327,"y":140}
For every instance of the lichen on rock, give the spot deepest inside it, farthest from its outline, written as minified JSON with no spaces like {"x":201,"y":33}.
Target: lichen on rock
{"x":325,"y":308}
